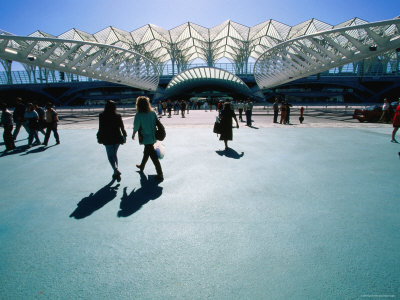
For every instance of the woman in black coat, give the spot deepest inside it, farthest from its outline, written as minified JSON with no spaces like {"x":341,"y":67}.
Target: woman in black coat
{"x":226,"y":123}
{"x":111,"y":134}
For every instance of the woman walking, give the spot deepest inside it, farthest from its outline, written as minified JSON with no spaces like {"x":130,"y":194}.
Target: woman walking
{"x":145,"y":124}
{"x":111,"y":134}
{"x":226,"y":124}
{"x":396,"y":123}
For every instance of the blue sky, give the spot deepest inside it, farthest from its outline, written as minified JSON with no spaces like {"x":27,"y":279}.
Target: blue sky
{"x":22,"y":17}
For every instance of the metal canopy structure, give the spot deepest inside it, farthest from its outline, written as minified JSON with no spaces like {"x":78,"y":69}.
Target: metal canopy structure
{"x":86,"y":58}
{"x":187,"y":42}
{"x":206,"y":77}
{"x":322,"y":51}
{"x":282,"y":53}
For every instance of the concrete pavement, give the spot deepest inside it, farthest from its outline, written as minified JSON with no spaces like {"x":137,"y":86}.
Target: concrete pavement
{"x":290,"y":212}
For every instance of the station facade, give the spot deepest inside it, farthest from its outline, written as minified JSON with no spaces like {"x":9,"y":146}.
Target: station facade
{"x":354,"y":61}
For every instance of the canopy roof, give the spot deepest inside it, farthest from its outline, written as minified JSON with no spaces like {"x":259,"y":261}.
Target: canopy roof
{"x":190,"y":41}
{"x":209,"y":78}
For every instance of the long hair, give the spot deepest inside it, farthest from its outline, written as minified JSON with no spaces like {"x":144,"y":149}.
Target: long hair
{"x":227,"y":106}
{"x":143,"y":104}
{"x":110,"y":108}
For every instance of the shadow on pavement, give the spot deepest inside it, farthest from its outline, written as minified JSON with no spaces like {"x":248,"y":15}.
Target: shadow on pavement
{"x":17,"y":150}
{"x":93,"y":202}
{"x":231,"y":153}
{"x":149,"y":190}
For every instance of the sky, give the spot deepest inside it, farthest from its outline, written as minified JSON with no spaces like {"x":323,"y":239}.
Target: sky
{"x":23,"y":17}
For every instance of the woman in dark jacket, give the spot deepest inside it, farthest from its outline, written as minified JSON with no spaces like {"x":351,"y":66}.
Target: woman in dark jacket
{"x":226,"y":123}
{"x":111,"y":134}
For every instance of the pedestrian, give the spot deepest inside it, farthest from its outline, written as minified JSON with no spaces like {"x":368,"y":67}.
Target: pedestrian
{"x":301,"y":118}
{"x":226,"y":116}
{"x":288,"y":106}
{"x":32,"y":117}
{"x":240,"y":108}
{"x":183,"y":108}
{"x":18,"y":116}
{"x":169,"y":108}
{"x":51,"y":124}
{"x":112,"y":134}
{"x":145,"y":123}
{"x":159,"y":108}
{"x":283,"y":113}
{"x":7,"y":123}
{"x":385,"y":111}
{"x":276,"y":109}
{"x":42,"y":119}
{"x":249,"y":112}
{"x":396,"y":123}
{"x":164,"y":107}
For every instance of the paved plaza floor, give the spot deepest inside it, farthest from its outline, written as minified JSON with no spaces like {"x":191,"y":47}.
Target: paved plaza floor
{"x":296,"y":211}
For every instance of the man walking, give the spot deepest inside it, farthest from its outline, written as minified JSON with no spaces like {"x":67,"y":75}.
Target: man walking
{"x":6,"y":121}
{"x":249,"y":111}
{"x":276,"y":109}
{"x":18,"y":116}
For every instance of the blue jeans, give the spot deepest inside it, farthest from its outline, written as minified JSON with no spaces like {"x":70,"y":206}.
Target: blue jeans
{"x":112,"y":155}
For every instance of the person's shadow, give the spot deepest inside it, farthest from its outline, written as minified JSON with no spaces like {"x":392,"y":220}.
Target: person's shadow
{"x":231,"y":153}
{"x":95,"y":201}
{"x":149,"y":190}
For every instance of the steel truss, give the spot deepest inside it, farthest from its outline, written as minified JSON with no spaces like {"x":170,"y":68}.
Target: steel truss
{"x":90,"y":59}
{"x":322,"y":51}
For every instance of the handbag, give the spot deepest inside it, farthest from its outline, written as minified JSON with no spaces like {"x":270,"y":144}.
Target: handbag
{"x":217,"y":126}
{"x":160,"y":131}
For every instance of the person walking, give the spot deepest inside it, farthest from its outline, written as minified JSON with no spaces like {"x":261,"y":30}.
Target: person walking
{"x":183,"y":108}
{"x":145,"y":123}
{"x":32,"y":118}
{"x":240,"y":108}
{"x":169,"y":108}
{"x":226,"y":116}
{"x":7,"y":123}
{"x":301,"y":118}
{"x":112,"y":134}
{"x":51,"y":124}
{"x":249,"y":112}
{"x":42,"y":120}
{"x":283,"y":113}
{"x":276,"y":109}
{"x":396,"y":123}
{"x":164,"y":107}
{"x":18,"y":116}
{"x":288,"y":106}
{"x":385,"y":111}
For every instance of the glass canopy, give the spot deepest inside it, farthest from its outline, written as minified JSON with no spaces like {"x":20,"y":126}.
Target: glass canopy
{"x":190,"y":41}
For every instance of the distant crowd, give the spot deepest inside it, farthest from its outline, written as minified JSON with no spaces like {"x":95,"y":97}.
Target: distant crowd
{"x":33,"y":119}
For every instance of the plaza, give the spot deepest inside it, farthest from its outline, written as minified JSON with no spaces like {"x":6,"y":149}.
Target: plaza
{"x":290,"y":212}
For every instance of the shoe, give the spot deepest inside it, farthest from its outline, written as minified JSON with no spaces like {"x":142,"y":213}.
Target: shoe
{"x":394,"y":141}
{"x":58,"y":143}
{"x":160,"y":177}
{"x":139,"y":167}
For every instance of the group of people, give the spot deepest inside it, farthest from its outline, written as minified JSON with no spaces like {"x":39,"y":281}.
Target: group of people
{"x":176,"y":106}
{"x":284,"y":108}
{"x":33,"y":118}
{"x":112,"y":134}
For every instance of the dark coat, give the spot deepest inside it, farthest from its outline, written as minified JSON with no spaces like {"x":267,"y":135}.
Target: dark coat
{"x":226,"y":124}
{"x":110,"y":129}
